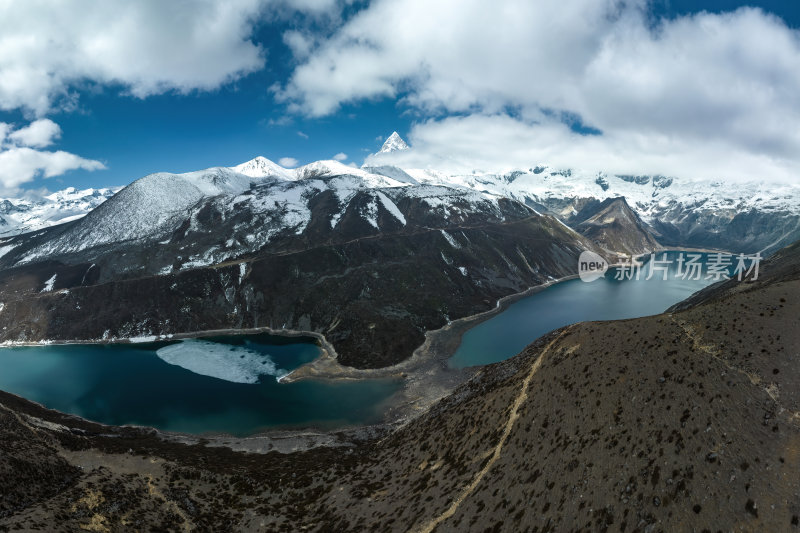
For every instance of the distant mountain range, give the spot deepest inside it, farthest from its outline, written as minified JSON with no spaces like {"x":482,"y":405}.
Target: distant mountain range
{"x":19,"y":215}
{"x":740,"y":217}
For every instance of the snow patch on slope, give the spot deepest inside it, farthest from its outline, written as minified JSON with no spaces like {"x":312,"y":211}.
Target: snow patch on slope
{"x":391,"y":207}
{"x":389,"y":171}
{"x":5,"y":249}
{"x":48,"y":285}
{"x":450,"y":239}
{"x":370,"y":212}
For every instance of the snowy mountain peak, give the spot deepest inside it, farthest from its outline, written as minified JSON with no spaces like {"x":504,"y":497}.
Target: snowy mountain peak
{"x":71,"y":194}
{"x":261,"y":167}
{"x":332,"y":168}
{"x":394,"y":143}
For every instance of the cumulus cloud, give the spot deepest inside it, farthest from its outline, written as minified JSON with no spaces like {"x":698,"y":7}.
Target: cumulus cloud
{"x":21,"y":161}
{"x":51,"y":51}
{"x":288,"y":162}
{"x":147,"y":47}
{"x":341,"y":156}
{"x":37,"y":134}
{"x":660,"y":94}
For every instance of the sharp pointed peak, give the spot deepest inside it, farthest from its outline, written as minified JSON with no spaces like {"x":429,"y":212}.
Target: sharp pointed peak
{"x":394,"y":143}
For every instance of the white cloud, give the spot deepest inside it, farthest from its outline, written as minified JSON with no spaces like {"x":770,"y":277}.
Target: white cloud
{"x":37,"y":134}
{"x":288,"y":162}
{"x":313,"y":6}
{"x":283,"y":120}
{"x":341,"y":156}
{"x":501,"y":143}
{"x":724,"y":85}
{"x":299,"y":43}
{"x":21,"y":161}
{"x":303,"y":135}
{"x":147,"y":47}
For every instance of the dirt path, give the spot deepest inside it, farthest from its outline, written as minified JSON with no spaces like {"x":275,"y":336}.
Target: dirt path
{"x":512,"y":418}
{"x":715,"y":353}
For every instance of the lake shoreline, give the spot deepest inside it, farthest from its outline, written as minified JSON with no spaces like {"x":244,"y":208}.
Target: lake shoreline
{"x":427,"y":379}
{"x":317,"y":338}
{"x":426,"y":374}
{"x":423,"y":379}
{"x":439,"y":343}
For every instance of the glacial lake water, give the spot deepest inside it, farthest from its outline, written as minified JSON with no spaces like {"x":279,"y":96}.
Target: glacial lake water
{"x":228,"y":384}
{"x":508,"y":333}
{"x":222,"y":384}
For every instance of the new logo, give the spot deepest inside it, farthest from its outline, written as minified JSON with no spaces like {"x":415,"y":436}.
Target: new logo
{"x":591,"y":266}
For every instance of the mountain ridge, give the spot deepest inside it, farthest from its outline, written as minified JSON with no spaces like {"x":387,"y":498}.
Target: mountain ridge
{"x":193,"y":235}
{"x":747,"y":218}
{"x":342,"y":255}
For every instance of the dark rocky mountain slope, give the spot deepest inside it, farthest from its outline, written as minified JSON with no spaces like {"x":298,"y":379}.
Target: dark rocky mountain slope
{"x":614,"y":226}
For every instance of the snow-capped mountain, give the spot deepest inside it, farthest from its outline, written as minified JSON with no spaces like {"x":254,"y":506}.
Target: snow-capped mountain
{"x":261,"y":167}
{"x":740,"y":217}
{"x":370,"y":257}
{"x":682,"y":212}
{"x":19,"y":215}
{"x":650,"y":195}
{"x":749,"y":217}
{"x":744,"y":217}
{"x":220,"y":214}
{"x":394,"y":143}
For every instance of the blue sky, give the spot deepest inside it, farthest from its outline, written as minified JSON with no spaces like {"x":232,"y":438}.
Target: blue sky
{"x":276,"y":89}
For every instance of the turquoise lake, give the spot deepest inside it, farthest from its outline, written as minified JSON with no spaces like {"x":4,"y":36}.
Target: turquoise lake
{"x":234,"y":390}
{"x":506,"y":334}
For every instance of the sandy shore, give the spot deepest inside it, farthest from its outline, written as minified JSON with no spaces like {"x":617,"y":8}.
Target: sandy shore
{"x":439,"y":345}
{"x":319,"y":338}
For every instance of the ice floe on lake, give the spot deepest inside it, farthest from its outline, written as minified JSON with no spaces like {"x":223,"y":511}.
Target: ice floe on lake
{"x":237,"y":364}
